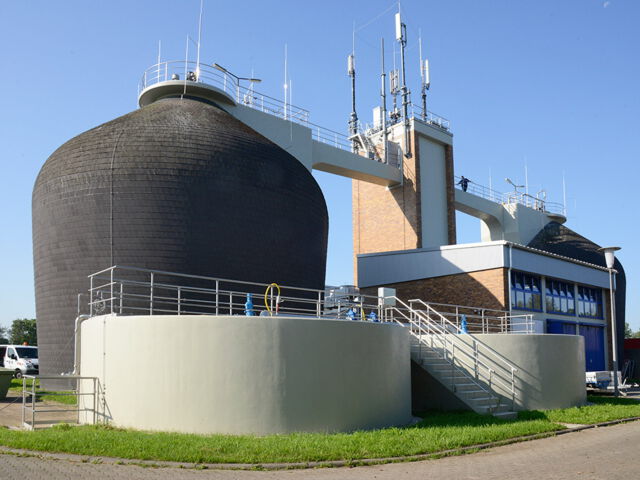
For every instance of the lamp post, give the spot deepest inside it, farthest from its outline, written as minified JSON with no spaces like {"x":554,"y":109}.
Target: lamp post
{"x":249,"y":79}
{"x":610,"y":258}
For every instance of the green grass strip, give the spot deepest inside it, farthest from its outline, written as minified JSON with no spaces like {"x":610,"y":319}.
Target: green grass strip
{"x":437,"y":432}
{"x":604,"y":409}
{"x":43,"y":395}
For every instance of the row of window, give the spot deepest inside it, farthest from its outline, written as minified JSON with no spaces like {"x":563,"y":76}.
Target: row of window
{"x":559,"y":297}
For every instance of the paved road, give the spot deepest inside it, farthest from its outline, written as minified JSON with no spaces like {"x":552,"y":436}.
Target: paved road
{"x":609,"y":453}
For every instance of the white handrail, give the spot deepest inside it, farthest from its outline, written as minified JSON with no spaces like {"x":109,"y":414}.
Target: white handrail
{"x":441,"y":328}
{"x":427,"y":326}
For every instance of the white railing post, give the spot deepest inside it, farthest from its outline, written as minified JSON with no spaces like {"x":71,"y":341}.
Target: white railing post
{"x":111,"y":290}
{"x":179,"y":301}
{"x":91,"y":296}
{"x":475,"y":358}
{"x":217,"y":295}
{"x":151,"y":295}
{"x":513,"y":388}
{"x":453,"y":365}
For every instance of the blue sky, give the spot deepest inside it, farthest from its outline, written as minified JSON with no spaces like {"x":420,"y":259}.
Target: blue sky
{"x":547,"y":84}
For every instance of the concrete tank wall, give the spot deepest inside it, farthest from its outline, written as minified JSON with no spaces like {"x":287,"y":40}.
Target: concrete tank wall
{"x":550,"y":368}
{"x":239,"y":374}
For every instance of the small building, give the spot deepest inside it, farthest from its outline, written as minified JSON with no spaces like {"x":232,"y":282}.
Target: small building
{"x":564,"y":295}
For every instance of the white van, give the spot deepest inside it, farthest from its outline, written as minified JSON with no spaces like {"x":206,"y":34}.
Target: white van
{"x":20,"y":358}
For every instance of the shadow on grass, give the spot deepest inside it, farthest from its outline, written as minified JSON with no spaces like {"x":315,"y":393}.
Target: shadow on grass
{"x":456,"y":418}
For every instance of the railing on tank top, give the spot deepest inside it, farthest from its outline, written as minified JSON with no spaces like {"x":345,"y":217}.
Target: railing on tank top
{"x":123,"y":290}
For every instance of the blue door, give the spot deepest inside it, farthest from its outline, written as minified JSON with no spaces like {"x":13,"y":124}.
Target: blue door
{"x":593,"y":341}
{"x":593,"y":347}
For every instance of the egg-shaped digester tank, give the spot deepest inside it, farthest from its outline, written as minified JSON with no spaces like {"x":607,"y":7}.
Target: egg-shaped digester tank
{"x":179,"y":185}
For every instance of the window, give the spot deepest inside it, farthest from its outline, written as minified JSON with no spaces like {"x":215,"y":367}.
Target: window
{"x":525,"y":292}
{"x":559,"y":297}
{"x":589,"y":302}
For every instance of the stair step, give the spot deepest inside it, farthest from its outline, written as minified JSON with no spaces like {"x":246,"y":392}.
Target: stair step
{"x":508,"y":415}
{"x":490,"y":401}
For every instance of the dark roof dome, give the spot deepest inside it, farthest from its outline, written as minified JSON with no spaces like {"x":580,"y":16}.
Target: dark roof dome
{"x":558,"y":239}
{"x":179,"y":185}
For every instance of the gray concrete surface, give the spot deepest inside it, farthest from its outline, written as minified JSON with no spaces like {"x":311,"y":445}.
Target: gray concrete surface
{"x":600,"y":453}
{"x":11,"y":413}
{"x":239,"y":374}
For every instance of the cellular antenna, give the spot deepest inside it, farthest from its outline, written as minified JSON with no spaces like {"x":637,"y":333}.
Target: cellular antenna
{"x":424,"y":76}
{"x":401,"y":37}
{"x":383,"y":101}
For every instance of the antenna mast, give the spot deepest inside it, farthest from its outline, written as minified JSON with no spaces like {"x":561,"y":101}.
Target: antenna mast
{"x":199,"y":37}
{"x":383,"y":98}
{"x":401,"y":37}
{"x":353,"y":118}
{"x":426,"y":82}
{"x":285,"y":81}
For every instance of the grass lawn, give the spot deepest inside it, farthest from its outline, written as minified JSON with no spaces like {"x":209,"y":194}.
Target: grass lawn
{"x":436,"y":432}
{"x":603,"y":409}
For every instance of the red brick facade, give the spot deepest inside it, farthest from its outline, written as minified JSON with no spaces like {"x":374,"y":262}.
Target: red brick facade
{"x":485,"y":288}
{"x":389,"y":219}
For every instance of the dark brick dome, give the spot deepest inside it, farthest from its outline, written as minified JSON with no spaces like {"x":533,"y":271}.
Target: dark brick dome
{"x":179,"y":185}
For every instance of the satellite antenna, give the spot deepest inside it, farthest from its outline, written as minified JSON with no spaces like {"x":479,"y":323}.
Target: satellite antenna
{"x":383,"y":101}
{"x":515,"y":187}
{"x":401,"y":37}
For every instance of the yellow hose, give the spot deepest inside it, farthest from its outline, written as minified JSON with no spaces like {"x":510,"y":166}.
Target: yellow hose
{"x":266,"y":295}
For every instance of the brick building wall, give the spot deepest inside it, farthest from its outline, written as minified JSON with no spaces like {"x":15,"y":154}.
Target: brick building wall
{"x":451,"y":195}
{"x":387,"y":219}
{"x":485,"y":288}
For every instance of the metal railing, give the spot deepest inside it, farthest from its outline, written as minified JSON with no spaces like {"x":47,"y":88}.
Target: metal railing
{"x":34,"y":406}
{"x":190,"y":73}
{"x":123,"y":290}
{"x":481,"y":320}
{"x":136,"y":291}
{"x":512,"y":197}
{"x":468,"y":356}
{"x":417,"y":112}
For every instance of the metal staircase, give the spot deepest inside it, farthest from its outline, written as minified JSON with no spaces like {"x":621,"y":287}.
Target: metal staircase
{"x":480,"y":377}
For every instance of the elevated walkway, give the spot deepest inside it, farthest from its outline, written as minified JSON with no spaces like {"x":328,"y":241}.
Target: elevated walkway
{"x":284,"y":124}
{"x":514,"y":217}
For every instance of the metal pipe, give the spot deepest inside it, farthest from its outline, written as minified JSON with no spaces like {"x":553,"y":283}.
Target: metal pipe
{"x":353,"y":118}
{"x":614,"y":343}
{"x":383,"y":95}
{"x":77,"y":343}
{"x":405,"y":92}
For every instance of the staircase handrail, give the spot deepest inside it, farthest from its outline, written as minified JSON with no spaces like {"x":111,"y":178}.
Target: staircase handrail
{"x":442,"y":337}
{"x":445,"y":325}
{"x":450,"y":324}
